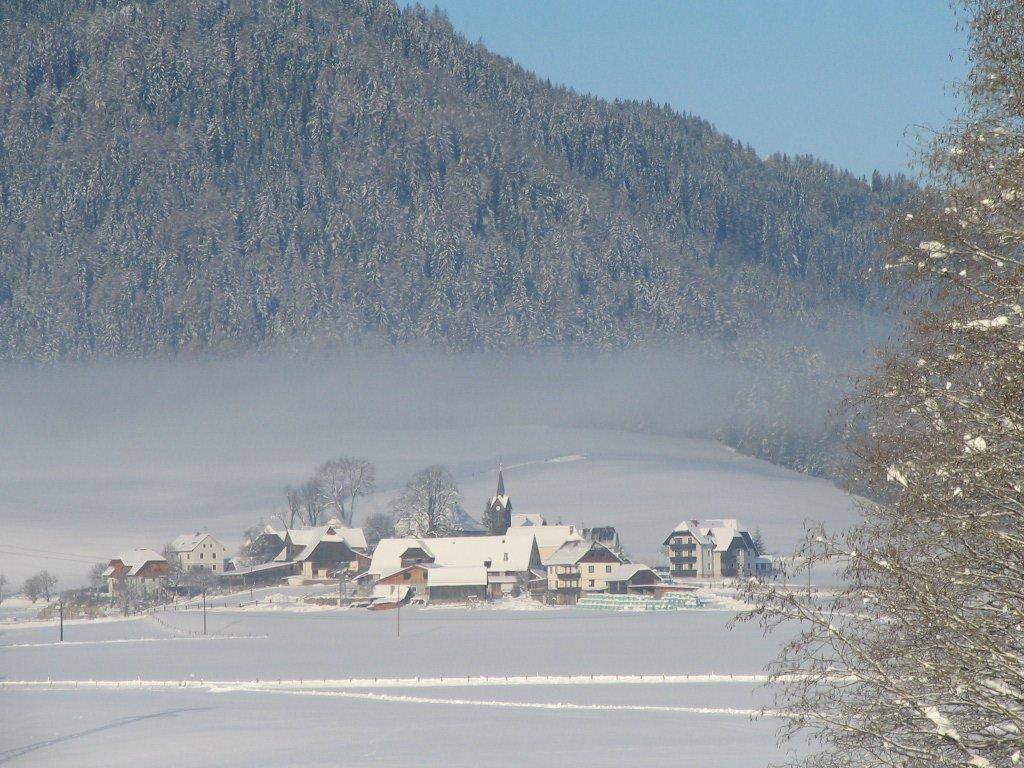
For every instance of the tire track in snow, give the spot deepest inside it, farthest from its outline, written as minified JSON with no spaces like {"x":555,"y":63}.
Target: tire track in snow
{"x":560,"y":705}
{"x":133,"y":640}
{"x":384,"y":682}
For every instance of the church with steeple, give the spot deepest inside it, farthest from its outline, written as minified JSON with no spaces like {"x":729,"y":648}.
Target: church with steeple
{"x":498,"y":514}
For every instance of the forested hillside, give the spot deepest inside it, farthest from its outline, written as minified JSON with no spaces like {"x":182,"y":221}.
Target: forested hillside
{"x":224,"y":174}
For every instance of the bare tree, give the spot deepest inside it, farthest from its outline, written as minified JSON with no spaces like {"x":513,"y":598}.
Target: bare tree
{"x":362,"y":481}
{"x":39,"y":586}
{"x":257,"y":547}
{"x":96,"y":578}
{"x":313,"y":507}
{"x":429,"y":505}
{"x":379,"y":526}
{"x":293,"y":498}
{"x":3,"y":586}
{"x":917,"y":661}
{"x":175,"y":571}
{"x":341,"y":482}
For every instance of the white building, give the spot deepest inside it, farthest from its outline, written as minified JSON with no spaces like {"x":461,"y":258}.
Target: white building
{"x":548,"y":537}
{"x":197,"y":551}
{"x":511,"y":562}
{"x":713,"y":549}
{"x":140,"y":570}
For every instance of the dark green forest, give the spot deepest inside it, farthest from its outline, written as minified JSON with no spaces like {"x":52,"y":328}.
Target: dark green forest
{"x":227,"y":175}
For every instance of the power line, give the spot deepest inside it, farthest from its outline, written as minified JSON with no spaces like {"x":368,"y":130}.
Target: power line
{"x":50,"y":551}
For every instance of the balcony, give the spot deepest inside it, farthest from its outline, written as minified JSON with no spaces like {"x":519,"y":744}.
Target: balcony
{"x":683,"y":560}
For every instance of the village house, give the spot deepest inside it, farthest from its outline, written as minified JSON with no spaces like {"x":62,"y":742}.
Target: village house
{"x":142,"y":571}
{"x":579,"y":566}
{"x":510,"y":563}
{"x":197,"y":551}
{"x":713,"y":549}
{"x":324,"y":552}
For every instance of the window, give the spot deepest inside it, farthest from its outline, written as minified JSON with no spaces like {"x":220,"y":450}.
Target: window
{"x":215,"y":567}
{"x":590,"y":569}
{"x":200,"y":555}
{"x":591,"y":582}
{"x":213,"y":555}
{"x":406,"y":575}
{"x":607,"y":569}
{"x":506,"y":557}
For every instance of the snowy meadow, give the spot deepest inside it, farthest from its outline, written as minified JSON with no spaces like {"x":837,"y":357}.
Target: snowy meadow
{"x":96,"y":460}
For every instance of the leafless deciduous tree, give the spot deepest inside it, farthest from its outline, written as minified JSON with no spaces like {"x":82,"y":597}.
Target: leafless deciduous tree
{"x":3,"y":586}
{"x":919,"y":661}
{"x":39,"y":586}
{"x":429,"y":505}
{"x":341,"y":482}
{"x":96,"y":578}
{"x":379,"y":526}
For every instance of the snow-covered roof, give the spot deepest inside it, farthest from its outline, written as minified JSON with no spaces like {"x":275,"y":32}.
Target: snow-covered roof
{"x":504,"y":553}
{"x":187,"y":542}
{"x":387,"y":557}
{"x":547,"y":535}
{"x":571,"y":552}
{"x":457,"y":576}
{"x":691,"y":527}
{"x":308,"y":538}
{"x":721,"y":531}
{"x":626,"y":571}
{"x":527,"y":519}
{"x":135,"y":559}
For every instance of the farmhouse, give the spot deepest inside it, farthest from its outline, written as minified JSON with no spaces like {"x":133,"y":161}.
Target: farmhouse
{"x":322,"y":552}
{"x":510,"y":562}
{"x":141,"y":570}
{"x":579,"y":566}
{"x":199,"y":551}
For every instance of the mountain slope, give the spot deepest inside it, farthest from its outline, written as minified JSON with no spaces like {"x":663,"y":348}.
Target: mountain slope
{"x":224,"y":174}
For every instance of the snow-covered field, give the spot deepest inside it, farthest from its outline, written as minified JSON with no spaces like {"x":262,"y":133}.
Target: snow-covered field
{"x":90,"y":465}
{"x":342,"y":687}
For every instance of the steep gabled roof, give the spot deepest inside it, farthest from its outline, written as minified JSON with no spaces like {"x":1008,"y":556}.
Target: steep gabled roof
{"x":527,"y":519}
{"x":503,"y":553}
{"x":187,"y":542}
{"x":572,"y":552}
{"x":135,"y":560}
{"x":546,"y":535}
{"x":691,"y":527}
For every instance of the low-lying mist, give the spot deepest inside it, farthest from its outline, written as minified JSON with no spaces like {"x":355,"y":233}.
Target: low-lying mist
{"x":116,"y":454}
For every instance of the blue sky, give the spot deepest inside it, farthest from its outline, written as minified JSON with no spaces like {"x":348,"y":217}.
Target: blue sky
{"x":840,"y":79}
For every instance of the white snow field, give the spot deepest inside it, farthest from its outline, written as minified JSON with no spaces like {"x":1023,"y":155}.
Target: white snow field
{"x":90,"y":466}
{"x":343,"y":688}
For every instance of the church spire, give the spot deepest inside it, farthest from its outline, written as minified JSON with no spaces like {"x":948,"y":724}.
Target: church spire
{"x":501,"y":483}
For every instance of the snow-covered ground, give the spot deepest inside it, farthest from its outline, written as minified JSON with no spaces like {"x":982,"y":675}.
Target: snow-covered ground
{"x":344,"y":687}
{"x":92,"y":465}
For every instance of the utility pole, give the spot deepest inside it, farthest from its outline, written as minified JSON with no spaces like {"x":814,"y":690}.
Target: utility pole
{"x":398,"y":614}
{"x":62,"y":621}
{"x":251,"y":580}
{"x":204,"y":610}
